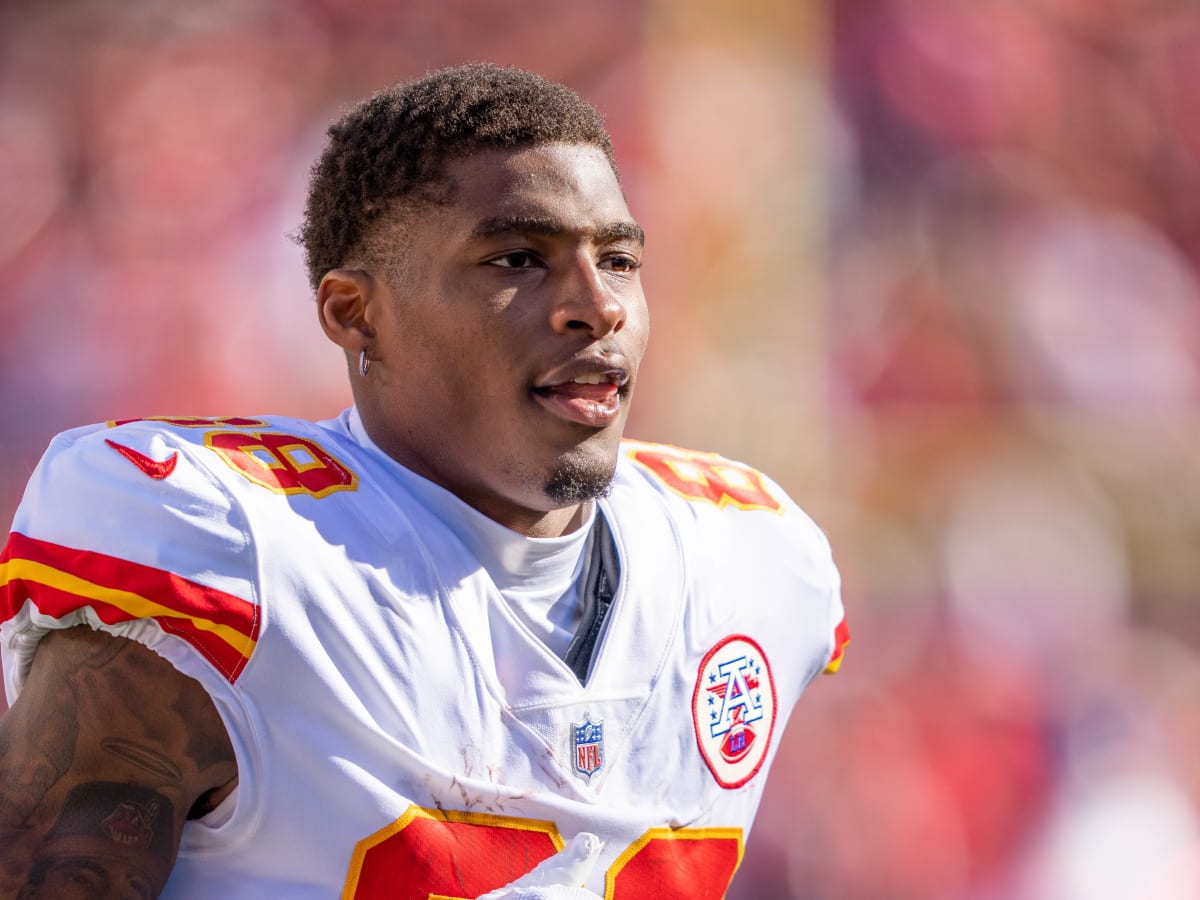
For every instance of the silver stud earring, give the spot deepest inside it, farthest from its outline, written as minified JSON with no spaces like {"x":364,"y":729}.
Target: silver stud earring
{"x":363,"y":363}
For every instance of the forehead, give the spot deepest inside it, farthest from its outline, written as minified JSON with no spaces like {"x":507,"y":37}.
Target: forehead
{"x":572,"y":183}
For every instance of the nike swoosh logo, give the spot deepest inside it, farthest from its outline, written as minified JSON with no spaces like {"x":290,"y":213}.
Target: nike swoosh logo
{"x":151,"y":467}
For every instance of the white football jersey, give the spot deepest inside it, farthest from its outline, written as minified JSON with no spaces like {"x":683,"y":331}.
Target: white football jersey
{"x":399,"y":732}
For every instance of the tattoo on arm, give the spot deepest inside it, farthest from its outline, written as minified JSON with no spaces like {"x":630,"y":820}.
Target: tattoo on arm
{"x":144,"y":758}
{"x":29,"y":770}
{"x":105,"y":752}
{"x":114,"y":839}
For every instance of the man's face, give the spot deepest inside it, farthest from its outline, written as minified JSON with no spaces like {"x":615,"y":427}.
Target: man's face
{"x":507,"y":348}
{"x":100,"y":875}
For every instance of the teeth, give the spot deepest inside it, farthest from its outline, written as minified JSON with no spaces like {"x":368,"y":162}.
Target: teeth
{"x":592,"y":379}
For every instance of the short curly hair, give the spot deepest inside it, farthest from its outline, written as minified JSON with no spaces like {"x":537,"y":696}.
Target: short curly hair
{"x":393,"y":148}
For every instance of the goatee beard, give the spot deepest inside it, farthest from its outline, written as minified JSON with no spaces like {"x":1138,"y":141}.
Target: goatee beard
{"x":577,"y":482}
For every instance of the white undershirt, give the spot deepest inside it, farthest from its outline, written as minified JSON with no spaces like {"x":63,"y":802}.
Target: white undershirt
{"x":537,"y":577}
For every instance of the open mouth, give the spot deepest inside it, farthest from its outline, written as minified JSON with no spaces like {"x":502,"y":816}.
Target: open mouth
{"x":593,"y":398}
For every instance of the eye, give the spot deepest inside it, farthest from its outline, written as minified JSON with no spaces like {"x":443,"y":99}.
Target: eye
{"x":85,"y":874}
{"x":621,"y":262}
{"x":516,"y":259}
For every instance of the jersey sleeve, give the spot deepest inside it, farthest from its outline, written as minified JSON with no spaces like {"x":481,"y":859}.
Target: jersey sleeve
{"x":841,"y":635}
{"x":810,"y":558}
{"x":839,"y":629}
{"x":124,"y":530}
{"x":804,"y":551}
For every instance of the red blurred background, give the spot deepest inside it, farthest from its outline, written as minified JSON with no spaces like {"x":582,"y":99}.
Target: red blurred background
{"x":931,"y":264}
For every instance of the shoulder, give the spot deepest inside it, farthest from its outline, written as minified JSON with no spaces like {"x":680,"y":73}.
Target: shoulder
{"x":741,"y":531}
{"x":143,"y":461}
{"x":142,"y":528}
{"x":717,"y":493}
{"x":175,"y":455}
{"x":702,"y":478}
{"x":129,"y":488}
{"x":284,"y":455}
{"x":703,"y":484}
{"x":168,"y":433}
{"x":90,"y":476}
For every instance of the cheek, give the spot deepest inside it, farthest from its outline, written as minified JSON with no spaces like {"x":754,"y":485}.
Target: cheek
{"x":439,"y":340}
{"x":637,"y":324}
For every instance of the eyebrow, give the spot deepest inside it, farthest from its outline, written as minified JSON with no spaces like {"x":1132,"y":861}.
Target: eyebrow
{"x":548,"y":227}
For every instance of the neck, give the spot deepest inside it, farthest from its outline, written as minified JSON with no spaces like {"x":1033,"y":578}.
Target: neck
{"x":528,"y":518}
{"x":534,"y":523}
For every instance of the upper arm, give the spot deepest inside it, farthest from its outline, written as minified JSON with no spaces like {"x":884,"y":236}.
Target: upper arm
{"x":103,"y":756}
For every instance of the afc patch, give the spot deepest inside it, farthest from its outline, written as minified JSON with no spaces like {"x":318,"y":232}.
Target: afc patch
{"x":587,"y":747}
{"x":733,"y":709}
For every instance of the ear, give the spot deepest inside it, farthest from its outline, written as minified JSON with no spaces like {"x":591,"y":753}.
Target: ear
{"x":346,"y":300}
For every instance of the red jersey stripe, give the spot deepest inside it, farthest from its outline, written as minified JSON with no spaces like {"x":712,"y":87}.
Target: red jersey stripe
{"x":841,"y":637}
{"x":60,"y":580}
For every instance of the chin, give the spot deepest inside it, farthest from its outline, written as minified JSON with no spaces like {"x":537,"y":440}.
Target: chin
{"x":581,"y":476}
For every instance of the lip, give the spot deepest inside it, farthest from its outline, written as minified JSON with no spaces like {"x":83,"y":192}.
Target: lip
{"x":582,"y":410}
{"x":610,"y":365}
{"x":593,"y":405}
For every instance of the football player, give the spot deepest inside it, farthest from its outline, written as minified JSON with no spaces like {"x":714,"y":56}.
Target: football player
{"x":460,"y":640}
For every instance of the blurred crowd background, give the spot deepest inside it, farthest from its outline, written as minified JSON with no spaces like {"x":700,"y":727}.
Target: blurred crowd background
{"x":934,"y":265}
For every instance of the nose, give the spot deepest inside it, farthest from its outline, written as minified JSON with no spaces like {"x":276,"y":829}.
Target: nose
{"x":587,"y":302}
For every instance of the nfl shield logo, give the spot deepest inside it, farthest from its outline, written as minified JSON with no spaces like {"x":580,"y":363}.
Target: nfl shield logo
{"x":588,"y":746}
